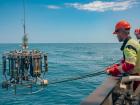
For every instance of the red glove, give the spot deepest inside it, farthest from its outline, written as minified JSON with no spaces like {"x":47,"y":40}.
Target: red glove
{"x":113,"y":70}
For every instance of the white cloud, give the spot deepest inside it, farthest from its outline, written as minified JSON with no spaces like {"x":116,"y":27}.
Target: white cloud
{"x":52,"y":7}
{"x":102,"y":6}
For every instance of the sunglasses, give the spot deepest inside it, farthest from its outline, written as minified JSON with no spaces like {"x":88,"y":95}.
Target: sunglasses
{"x":117,"y":31}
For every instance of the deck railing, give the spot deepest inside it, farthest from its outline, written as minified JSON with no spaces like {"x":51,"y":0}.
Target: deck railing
{"x":102,"y":95}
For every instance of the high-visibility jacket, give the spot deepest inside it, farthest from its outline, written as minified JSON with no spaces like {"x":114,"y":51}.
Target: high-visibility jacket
{"x":131,"y":53}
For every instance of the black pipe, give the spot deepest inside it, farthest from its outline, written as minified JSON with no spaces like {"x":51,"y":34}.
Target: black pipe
{"x":46,"y":62}
{"x":4,"y":64}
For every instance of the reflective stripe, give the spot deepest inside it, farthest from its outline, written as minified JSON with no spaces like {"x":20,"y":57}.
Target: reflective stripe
{"x":131,"y":47}
{"x":120,"y":69}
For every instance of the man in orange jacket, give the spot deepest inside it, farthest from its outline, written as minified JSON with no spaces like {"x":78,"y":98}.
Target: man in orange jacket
{"x":131,"y":52}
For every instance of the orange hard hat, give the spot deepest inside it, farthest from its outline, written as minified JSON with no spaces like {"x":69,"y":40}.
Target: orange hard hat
{"x":137,"y":31}
{"x":122,"y":25}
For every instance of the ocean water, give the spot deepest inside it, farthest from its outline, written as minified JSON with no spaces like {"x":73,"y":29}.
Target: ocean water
{"x":66,"y":61}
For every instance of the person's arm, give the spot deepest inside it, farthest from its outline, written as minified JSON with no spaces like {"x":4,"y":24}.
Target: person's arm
{"x":130,"y":53}
{"x":127,"y":65}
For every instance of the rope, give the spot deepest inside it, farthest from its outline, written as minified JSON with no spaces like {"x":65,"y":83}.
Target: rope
{"x":79,"y":77}
{"x":82,"y":77}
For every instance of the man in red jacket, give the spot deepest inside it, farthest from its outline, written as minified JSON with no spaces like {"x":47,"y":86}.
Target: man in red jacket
{"x":131,"y":52}
{"x":137,"y":33}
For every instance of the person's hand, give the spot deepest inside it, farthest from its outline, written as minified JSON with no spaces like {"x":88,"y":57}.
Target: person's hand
{"x":113,"y":70}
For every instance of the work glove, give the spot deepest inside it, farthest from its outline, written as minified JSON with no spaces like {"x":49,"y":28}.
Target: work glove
{"x":113,"y":70}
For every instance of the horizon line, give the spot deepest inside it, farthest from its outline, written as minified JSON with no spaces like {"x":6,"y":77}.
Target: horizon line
{"x":64,"y":43}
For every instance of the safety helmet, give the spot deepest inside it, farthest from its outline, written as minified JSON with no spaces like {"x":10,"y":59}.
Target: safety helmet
{"x":122,"y":25}
{"x":137,"y":31}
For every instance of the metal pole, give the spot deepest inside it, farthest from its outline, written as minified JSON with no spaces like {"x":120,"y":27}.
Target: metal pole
{"x":24,"y":17}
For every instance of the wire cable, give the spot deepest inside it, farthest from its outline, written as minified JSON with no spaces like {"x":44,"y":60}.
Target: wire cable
{"x":78,"y":77}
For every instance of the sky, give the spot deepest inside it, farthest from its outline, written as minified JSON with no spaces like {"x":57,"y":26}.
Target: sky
{"x":66,"y":21}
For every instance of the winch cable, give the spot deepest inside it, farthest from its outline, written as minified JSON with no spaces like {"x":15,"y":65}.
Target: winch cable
{"x":78,"y":77}
{"x":81,"y":77}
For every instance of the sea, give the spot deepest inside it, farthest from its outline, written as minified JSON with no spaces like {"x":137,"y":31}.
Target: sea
{"x":65,"y":60}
